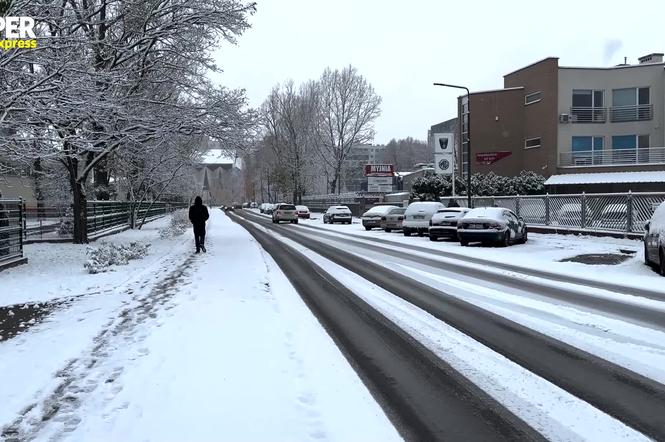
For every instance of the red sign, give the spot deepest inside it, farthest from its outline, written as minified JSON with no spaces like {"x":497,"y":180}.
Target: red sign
{"x":379,"y":170}
{"x":491,"y":157}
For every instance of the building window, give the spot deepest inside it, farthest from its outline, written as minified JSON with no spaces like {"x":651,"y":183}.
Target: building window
{"x":532,"y":98}
{"x":588,"y":106}
{"x":631,"y":104}
{"x":587,"y":150}
{"x":531,"y":143}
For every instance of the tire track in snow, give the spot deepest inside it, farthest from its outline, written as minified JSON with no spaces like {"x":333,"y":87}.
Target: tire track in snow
{"x":82,"y":376}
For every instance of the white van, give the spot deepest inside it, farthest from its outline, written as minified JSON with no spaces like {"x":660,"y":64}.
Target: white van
{"x":418,"y":216}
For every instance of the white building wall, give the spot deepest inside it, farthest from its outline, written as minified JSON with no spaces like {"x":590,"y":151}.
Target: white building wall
{"x":607,"y":79}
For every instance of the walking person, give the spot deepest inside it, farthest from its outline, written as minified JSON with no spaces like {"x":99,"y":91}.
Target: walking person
{"x":198,"y":215}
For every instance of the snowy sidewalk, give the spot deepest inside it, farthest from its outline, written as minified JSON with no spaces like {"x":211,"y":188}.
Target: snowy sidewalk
{"x":222,"y":349}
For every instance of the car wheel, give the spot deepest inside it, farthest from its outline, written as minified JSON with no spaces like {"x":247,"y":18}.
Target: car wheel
{"x":646,"y":254}
{"x":420,"y":233}
{"x":295,"y":221}
{"x":406,"y":233}
{"x":368,"y":228}
{"x":463,"y":242}
{"x":432,"y":238}
{"x":661,"y":266}
{"x":387,"y":230}
{"x":526,"y":235}
{"x":506,"y":239}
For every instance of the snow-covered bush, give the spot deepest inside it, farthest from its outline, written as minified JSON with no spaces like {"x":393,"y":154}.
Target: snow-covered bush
{"x":108,"y":254}
{"x":66,"y":227}
{"x":177,"y":226}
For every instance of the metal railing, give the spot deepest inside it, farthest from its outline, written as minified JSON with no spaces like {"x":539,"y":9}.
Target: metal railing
{"x":613,"y":157}
{"x":635,"y":112}
{"x":11,"y":230}
{"x":53,"y":220}
{"x":580,"y":114}
{"x":611,"y":212}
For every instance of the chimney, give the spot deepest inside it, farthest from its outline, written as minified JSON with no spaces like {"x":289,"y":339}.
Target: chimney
{"x":651,"y":58}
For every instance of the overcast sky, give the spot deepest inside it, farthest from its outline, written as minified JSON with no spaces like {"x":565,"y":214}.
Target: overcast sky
{"x":403,"y":47}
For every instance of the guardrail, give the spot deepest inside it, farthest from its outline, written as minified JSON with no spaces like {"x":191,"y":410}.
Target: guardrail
{"x":612,"y":157}
{"x":11,"y":231}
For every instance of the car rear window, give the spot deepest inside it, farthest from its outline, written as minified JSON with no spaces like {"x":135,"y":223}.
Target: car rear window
{"x":287,"y":207}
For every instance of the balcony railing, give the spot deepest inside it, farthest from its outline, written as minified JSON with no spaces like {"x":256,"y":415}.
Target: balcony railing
{"x":612,"y":157}
{"x":637,"y":112}
{"x":588,"y":114}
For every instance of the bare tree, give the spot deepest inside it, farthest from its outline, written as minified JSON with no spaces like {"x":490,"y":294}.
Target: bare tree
{"x":118,"y":73}
{"x":347,"y":111}
{"x":406,"y":153}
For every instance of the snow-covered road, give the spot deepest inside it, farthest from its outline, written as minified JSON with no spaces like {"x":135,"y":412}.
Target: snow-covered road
{"x":217,"y":346}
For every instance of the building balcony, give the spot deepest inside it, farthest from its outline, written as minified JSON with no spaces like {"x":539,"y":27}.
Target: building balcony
{"x":636,"y":112}
{"x":612,"y":157}
{"x":580,"y":114}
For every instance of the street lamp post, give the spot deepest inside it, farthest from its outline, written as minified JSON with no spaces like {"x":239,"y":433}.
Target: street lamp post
{"x":468,"y":138}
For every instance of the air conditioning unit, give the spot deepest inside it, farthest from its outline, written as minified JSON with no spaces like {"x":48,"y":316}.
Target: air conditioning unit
{"x":564,"y":118}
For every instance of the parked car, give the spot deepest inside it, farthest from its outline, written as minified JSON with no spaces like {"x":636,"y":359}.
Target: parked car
{"x":393,"y":219}
{"x":236,"y":205}
{"x":495,"y":225}
{"x":533,"y":210}
{"x":570,"y":214}
{"x":418,"y":215}
{"x":654,"y":240}
{"x":613,"y":217}
{"x":337,"y":214}
{"x":262,"y":207}
{"x":444,"y":223}
{"x":269,"y":209}
{"x":285,"y":212}
{"x":303,"y":212}
{"x":253,"y":205}
{"x":372,"y":218}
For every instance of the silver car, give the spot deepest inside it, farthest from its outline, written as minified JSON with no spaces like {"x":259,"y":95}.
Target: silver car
{"x":393,"y":219}
{"x":495,"y":225}
{"x":444,"y":223}
{"x":285,"y":212}
{"x":372,"y":218}
{"x":337,"y":214}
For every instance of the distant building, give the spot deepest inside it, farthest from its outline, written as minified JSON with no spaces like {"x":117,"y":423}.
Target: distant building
{"x":587,"y":121}
{"x":353,"y":179}
{"x":218,"y":178}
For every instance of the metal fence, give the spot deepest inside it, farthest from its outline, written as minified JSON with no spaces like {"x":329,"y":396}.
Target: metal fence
{"x":53,"y":220}
{"x":612,"y":212}
{"x":11,"y":227}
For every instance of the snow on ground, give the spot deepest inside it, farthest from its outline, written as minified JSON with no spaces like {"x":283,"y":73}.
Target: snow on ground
{"x":206,"y":347}
{"x":541,"y":252}
{"x":555,"y":413}
{"x":56,"y":270}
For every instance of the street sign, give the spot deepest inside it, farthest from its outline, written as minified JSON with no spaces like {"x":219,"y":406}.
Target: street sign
{"x":379,"y":184}
{"x":491,"y":157}
{"x":380,"y":170}
{"x":444,"y":153}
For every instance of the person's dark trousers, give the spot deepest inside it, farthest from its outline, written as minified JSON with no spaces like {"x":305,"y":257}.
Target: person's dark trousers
{"x":199,"y":238}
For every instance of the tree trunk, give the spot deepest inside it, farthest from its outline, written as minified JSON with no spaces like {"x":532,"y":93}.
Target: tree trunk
{"x":80,"y":210}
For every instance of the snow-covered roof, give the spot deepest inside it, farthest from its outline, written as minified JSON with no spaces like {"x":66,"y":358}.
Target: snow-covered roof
{"x":220,"y":157}
{"x":607,"y":178}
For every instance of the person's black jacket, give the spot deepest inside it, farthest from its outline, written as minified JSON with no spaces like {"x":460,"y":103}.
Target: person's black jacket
{"x":198,"y":214}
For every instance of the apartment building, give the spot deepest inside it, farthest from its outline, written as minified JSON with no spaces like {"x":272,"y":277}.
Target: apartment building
{"x":585,"y":128}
